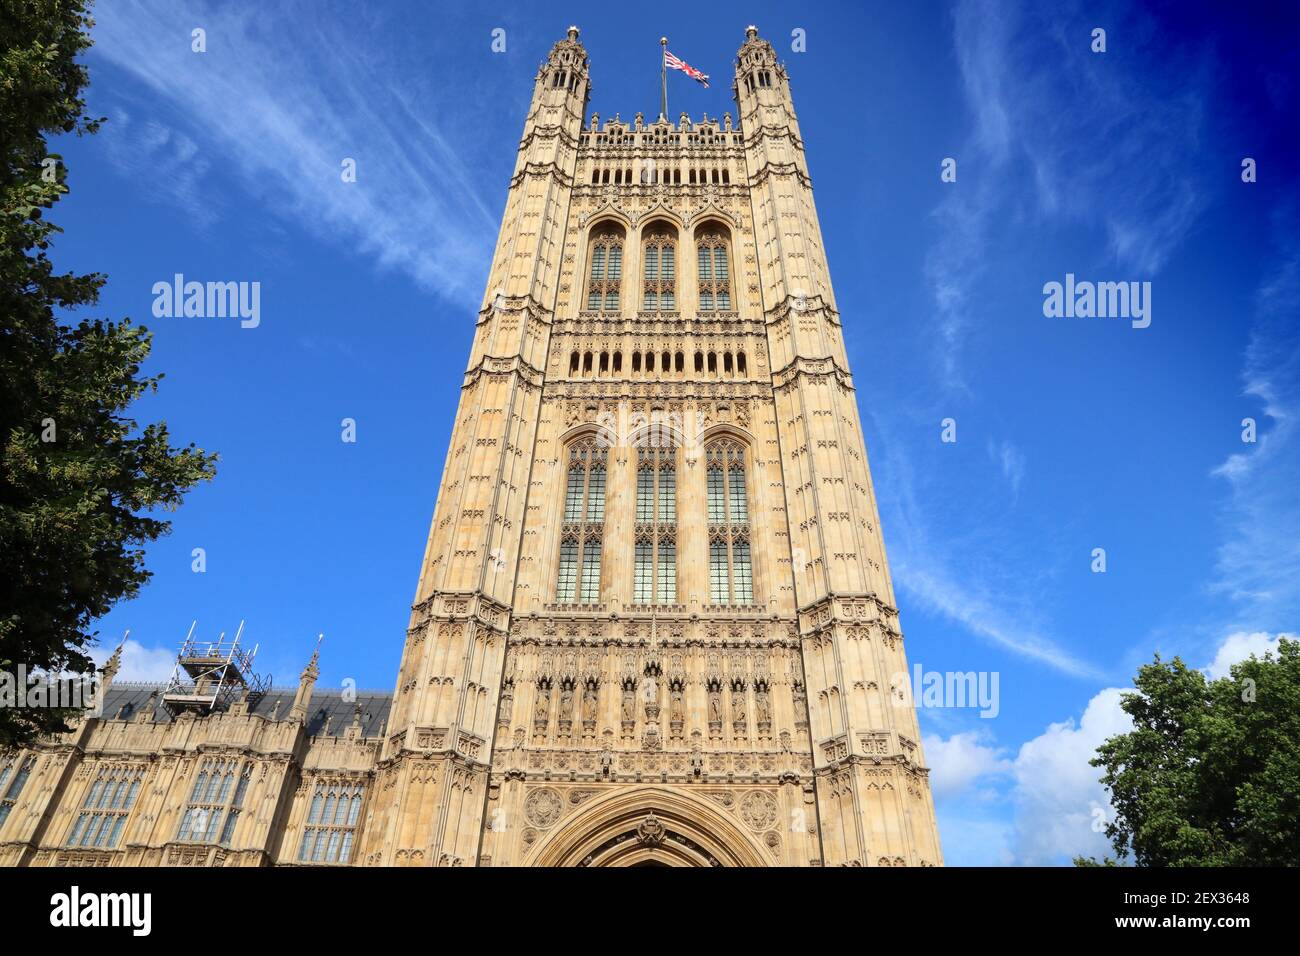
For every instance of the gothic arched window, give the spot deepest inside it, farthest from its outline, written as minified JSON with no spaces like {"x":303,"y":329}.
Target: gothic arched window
{"x":659,"y":256}
{"x":731,"y":570}
{"x":654,"y":579}
{"x":216,"y":801}
{"x":578,"y":581}
{"x":332,"y":820}
{"x":13,"y":777}
{"x":714,"y":272}
{"x":606,"y":270}
{"x":107,"y":805}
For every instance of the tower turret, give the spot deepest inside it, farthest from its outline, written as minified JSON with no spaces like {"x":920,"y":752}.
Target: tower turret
{"x":306,"y":683}
{"x":441,"y":726}
{"x":852,"y":643}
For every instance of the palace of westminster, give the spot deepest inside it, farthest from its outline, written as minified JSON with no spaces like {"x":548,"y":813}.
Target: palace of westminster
{"x":654,"y":623}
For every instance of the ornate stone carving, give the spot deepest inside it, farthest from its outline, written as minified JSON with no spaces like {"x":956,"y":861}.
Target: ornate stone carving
{"x":542,"y":807}
{"x":758,"y":809}
{"x":651,"y":831}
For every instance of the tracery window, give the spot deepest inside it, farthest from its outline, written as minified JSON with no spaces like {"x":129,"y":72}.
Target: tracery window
{"x":13,"y":777}
{"x":659,"y":256}
{"x":731,"y":572}
{"x":583,"y":528}
{"x":655,"y":556}
{"x":606,"y":272}
{"x":331,"y":823}
{"x":215,"y":801}
{"x":713,"y":272}
{"x":106,"y":807}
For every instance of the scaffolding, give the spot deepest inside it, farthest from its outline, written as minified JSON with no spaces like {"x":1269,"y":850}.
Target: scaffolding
{"x":210,"y":675}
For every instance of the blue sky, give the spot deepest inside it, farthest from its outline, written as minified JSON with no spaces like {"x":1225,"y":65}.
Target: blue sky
{"x":1072,"y":434}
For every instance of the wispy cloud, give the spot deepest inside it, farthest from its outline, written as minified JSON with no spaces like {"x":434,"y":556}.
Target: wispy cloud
{"x":1011,"y":461}
{"x":988,"y":616}
{"x":954,"y":262}
{"x":167,"y":159}
{"x":1104,"y":147}
{"x":282,"y":117}
{"x":1060,"y":137}
{"x":982,"y":599}
{"x":1258,"y":563}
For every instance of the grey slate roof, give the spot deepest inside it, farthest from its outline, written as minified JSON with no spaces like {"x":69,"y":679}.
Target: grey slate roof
{"x":128,"y":697}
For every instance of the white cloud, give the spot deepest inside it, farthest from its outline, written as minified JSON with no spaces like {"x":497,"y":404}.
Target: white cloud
{"x":1241,"y":645}
{"x":960,"y":761}
{"x":1057,"y":795}
{"x":955,"y":260}
{"x":139,"y":663}
{"x":282,"y":117}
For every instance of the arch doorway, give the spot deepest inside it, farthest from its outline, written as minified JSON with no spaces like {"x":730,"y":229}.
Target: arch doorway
{"x":650,"y":826}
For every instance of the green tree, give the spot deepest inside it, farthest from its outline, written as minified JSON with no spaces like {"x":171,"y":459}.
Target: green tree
{"x":1210,"y":773}
{"x":77,"y":477}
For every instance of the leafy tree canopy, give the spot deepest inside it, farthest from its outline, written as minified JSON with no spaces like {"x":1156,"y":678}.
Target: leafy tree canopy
{"x":1210,"y":773}
{"x":78,"y":477}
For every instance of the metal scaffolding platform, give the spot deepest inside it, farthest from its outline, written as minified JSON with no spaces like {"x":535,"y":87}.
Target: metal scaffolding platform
{"x":211,"y":675}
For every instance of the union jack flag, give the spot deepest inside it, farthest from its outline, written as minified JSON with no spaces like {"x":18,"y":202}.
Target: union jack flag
{"x":673,"y":63}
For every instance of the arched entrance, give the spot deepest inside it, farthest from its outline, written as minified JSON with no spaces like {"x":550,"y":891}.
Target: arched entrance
{"x":650,"y":826}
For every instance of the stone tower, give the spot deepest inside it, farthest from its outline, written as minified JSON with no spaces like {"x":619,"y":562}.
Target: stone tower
{"x":654,"y":621}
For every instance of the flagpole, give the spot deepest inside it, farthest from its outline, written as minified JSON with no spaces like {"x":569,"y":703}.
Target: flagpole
{"x":663,"y":64}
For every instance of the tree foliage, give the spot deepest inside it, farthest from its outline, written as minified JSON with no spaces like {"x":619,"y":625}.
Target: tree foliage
{"x":78,"y":477}
{"x":1210,"y":773}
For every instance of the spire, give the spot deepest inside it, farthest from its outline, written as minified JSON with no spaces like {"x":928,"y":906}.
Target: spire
{"x":302,"y":699}
{"x":114,"y":663}
{"x":568,"y":53}
{"x":312,"y":670}
{"x":761,"y":85}
{"x":146,"y":714}
{"x":560,"y":87}
{"x":754,"y":52}
{"x":354,"y":729}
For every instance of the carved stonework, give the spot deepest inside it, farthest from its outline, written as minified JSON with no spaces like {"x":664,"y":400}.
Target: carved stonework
{"x":542,"y":807}
{"x":758,"y":809}
{"x":651,"y":831}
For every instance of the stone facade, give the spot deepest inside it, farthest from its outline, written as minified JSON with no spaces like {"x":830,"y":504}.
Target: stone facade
{"x":654,"y":621}
{"x":239,"y":787}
